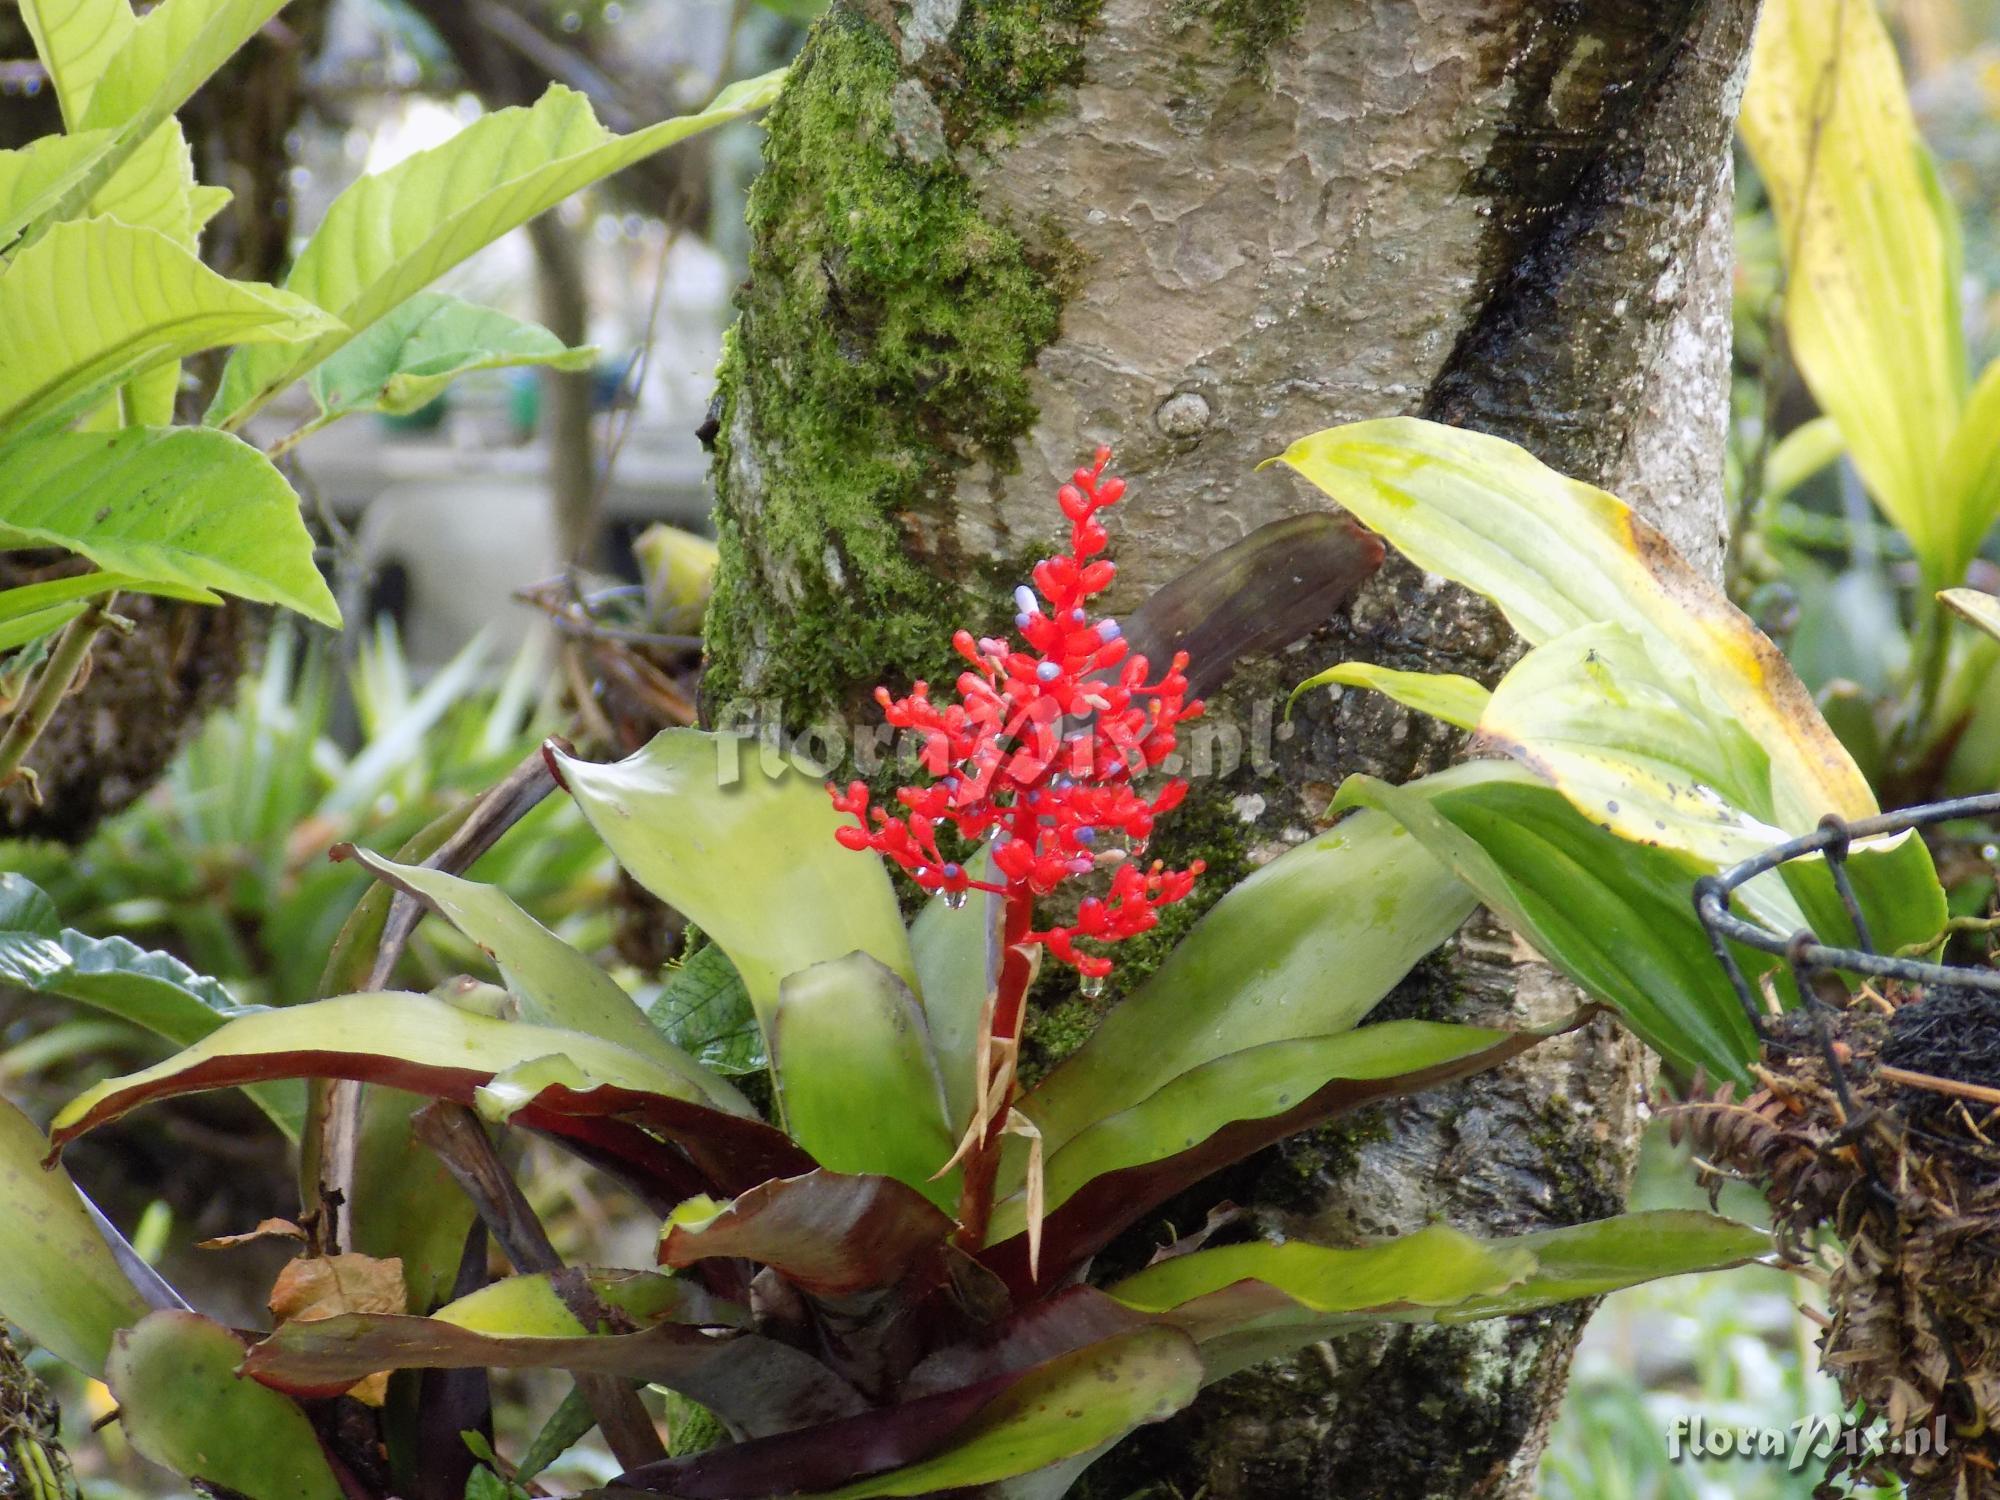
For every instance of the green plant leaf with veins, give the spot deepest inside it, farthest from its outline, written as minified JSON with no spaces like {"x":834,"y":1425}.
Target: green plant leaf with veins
{"x":190,"y":509}
{"x":94,"y":302}
{"x":153,"y":990}
{"x":1616,"y":916}
{"x":409,"y":357}
{"x":704,"y":1009}
{"x":390,"y":235}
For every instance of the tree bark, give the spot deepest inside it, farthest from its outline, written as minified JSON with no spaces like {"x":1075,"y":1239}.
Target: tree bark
{"x":991,"y":234}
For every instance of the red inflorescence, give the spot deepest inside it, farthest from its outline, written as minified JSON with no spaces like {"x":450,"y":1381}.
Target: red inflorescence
{"x":1040,"y":751}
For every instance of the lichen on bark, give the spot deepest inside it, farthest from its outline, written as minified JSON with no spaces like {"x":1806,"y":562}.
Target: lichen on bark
{"x":884,"y":344}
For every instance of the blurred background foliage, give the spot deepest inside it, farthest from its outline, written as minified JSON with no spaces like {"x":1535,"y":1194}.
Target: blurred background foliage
{"x":432,"y":525}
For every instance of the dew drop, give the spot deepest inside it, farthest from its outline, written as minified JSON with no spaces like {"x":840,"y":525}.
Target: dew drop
{"x":955,"y":900}
{"x":1090,"y":985}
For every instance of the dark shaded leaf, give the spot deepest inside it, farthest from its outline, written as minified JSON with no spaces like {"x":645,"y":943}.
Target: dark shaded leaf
{"x":1012,"y":1423}
{"x":752,"y":1383}
{"x":818,"y":1458}
{"x":827,"y":1234}
{"x":1280,"y":582}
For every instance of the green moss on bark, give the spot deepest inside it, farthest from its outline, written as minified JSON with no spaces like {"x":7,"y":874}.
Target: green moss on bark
{"x":1016,"y":55}
{"x":885,"y":342}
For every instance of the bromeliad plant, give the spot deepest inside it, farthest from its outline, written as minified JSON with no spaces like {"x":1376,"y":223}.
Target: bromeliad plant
{"x":834,"y":1286}
{"x":103,"y":294}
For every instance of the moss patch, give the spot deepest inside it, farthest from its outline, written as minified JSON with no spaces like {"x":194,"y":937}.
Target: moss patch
{"x":1015,"y":56}
{"x":885,"y":342}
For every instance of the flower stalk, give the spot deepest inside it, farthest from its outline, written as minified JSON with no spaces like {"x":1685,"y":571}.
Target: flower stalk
{"x":1036,"y":756}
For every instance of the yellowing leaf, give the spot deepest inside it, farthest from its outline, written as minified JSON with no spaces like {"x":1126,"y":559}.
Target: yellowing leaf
{"x":1871,"y":301}
{"x":1635,"y":749}
{"x":1555,"y":554}
{"x":1981,"y":608}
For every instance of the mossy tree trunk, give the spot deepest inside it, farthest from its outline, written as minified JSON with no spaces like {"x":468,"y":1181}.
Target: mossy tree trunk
{"x":991,"y":234}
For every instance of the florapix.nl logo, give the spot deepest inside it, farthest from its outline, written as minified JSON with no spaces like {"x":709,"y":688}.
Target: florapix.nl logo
{"x":1694,"y":1438}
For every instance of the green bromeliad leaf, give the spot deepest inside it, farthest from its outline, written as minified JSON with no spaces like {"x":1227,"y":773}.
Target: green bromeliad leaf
{"x":1257,"y":1082}
{"x":63,"y":1286}
{"x":1556,"y":555}
{"x":857,"y":1082}
{"x":1071,"y":1406}
{"x":957,"y":953}
{"x":1246,"y":1303}
{"x":555,"y":984}
{"x":1303,"y":948}
{"x":183,"y":1406}
{"x":190,"y":509}
{"x":390,"y":235}
{"x":409,"y":1040}
{"x":1616,"y":916}
{"x":410,"y":356}
{"x":1442,"y":695}
{"x":94,"y":302}
{"x":746,"y":850}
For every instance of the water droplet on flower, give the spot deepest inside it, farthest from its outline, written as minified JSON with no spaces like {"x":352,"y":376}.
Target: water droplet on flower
{"x":955,"y":900}
{"x":1091,"y":985}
